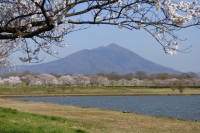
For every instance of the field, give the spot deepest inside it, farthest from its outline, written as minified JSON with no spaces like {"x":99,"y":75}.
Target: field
{"x":22,"y":90}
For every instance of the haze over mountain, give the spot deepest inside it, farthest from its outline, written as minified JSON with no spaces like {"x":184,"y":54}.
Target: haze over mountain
{"x":112,"y":58}
{"x":198,"y":73}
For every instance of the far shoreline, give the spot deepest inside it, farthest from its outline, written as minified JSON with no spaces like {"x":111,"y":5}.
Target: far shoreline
{"x":97,"y":91}
{"x":71,"y":95}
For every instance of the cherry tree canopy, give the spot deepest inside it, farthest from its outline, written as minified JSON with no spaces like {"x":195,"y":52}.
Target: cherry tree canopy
{"x":32,"y":26}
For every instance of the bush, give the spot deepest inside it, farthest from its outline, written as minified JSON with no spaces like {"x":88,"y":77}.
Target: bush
{"x":180,"y":85}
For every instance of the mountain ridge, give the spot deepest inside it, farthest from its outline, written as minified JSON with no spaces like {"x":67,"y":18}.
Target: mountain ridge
{"x":104,"y":59}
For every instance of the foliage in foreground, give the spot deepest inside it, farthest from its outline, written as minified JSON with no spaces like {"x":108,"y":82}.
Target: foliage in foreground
{"x":13,"y":121}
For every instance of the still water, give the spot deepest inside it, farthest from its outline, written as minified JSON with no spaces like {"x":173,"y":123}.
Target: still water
{"x":183,"y":107}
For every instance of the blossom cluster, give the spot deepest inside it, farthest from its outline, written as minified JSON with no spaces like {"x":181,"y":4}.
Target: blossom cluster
{"x":29,"y":16}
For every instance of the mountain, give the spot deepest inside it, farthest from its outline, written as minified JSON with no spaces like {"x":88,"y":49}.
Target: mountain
{"x":198,"y":74}
{"x":112,"y":58}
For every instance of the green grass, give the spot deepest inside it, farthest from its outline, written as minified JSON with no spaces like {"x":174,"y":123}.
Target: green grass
{"x":13,"y":121}
{"x":23,"y":90}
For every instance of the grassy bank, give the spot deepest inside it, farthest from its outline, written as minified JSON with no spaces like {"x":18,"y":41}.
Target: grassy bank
{"x":103,"y":90}
{"x":103,"y":121}
{"x":13,"y":121}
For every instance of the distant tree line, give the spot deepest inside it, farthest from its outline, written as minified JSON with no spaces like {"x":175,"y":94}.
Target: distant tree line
{"x":141,"y":75}
{"x":139,"y":78}
{"x":115,"y":76}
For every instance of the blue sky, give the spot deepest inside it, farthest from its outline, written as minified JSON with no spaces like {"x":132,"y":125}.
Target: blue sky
{"x":138,"y":41}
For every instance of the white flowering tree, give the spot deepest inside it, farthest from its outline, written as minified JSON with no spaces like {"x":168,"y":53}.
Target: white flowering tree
{"x":144,"y":82}
{"x":137,"y":82}
{"x":122,"y":81}
{"x":157,"y":82}
{"x":112,"y":82}
{"x":87,"y":81}
{"x":166,"y":82}
{"x":48,"y":79}
{"x":93,"y":79}
{"x":134,"y":82}
{"x":1,"y":81}
{"x":81,"y":80}
{"x":66,"y":80}
{"x":13,"y":81}
{"x":46,"y":22}
{"x":102,"y":81}
{"x":36,"y":82}
{"x":195,"y":81}
{"x":170,"y":82}
{"x":27,"y":79}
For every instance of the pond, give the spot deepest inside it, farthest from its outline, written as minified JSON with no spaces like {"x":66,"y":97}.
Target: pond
{"x":182,"y":107}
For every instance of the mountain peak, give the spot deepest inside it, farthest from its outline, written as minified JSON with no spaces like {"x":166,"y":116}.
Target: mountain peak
{"x":113,"y":45}
{"x":112,"y":58}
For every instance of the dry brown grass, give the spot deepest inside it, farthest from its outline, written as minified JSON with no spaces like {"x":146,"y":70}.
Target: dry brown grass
{"x":104,"y":121}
